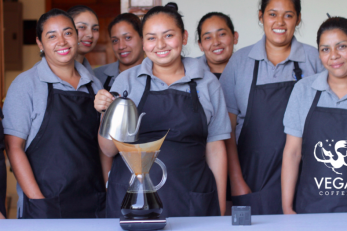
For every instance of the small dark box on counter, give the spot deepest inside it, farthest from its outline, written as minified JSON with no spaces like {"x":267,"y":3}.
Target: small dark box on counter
{"x":241,"y":215}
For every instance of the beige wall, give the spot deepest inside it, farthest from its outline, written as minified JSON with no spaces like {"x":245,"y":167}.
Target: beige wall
{"x":32,"y":9}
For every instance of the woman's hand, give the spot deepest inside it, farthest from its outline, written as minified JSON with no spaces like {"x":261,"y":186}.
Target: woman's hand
{"x":288,"y":211}
{"x":103,"y":100}
{"x":290,"y":172}
{"x":21,"y":167}
{"x":238,"y":185}
{"x":217,"y":161}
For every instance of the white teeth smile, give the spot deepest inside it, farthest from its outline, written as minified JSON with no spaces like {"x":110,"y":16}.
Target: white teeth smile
{"x":63,"y":51}
{"x":124,"y":53}
{"x":279,"y":30}
{"x":87,"y":42}
{"x":162,"y":53}
{"x":217,"y":51}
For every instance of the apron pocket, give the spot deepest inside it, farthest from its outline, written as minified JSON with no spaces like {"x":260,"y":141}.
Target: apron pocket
{"x":204,"y":204}
{"x":100,"y":211}
{"x":43,"y":208}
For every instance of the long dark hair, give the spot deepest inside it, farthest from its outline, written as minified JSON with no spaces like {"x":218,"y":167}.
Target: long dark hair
{"x":331,"y":24}
{"x":76,"y":10}
{"x":297,"y":5}
{"x":169,"y":9}
{"x":129,"y":18}
{"x":52,"y":13}
{"x":226,"y":18}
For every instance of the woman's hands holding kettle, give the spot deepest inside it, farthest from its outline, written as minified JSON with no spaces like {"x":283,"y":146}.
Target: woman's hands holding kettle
{"x":103,"y":100}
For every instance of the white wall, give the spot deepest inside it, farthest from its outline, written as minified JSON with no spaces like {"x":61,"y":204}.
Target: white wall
{"x":244,"y":14}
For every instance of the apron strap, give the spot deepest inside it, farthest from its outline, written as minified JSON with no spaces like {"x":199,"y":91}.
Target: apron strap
{"x":251,"y":94}
{"x":107,"y":83}
{"x":193,"y":92}
{"x":297,"y":71}
{"x":50,"y":88}
{"x":145,"y":94}
{"x":310,"y":113}
{"x":194,"y":95}
{"x":90,"y":89}
{"x":88,"y":85}
{"x":255,"y":74}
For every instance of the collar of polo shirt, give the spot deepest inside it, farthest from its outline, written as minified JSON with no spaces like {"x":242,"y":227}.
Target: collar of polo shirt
{"x":112,"y":69}
{"x":297,"y":52}
{"x":46,"y":74}
{"x":321,"y":82}
{"x":192,"y":69}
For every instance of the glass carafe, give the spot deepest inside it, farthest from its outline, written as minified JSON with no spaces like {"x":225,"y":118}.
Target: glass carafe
{"x":142,"y":200}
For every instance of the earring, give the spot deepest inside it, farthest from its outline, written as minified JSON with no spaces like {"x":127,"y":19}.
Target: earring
{"x":78,"y":43}
{"x":41,"y":51}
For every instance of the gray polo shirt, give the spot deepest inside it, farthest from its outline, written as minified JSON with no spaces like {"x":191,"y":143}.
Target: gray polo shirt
{"x":203,"y":62}
{"x":209,"y":92}
{"x":87,"y":65}
{"x":237,"y":76}
{"x":301,"y":100}
{"x":103,"y":72}
{"x":26,"y":102}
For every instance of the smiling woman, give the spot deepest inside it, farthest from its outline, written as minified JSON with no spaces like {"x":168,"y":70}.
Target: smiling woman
{"x":51,"y":127}
{"x":126,"y":38}
{"x":87,"y":24}
{"x":177,"y":95}
{"x":315,"y":124}
{"x":216,"y":39}
{"x":257,"y":83}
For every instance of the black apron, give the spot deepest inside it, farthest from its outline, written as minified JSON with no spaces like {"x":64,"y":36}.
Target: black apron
{"x":65,"y":160}
{"x":261,"y":143}
{"x":190,"y":189}
{"x":2,"y":169}
{"x":107,"y":83}
{"x":322,"y":186}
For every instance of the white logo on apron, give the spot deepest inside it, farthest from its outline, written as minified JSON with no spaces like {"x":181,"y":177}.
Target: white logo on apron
{"x":333,"y":161}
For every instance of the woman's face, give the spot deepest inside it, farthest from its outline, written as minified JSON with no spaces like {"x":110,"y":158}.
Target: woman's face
{"x":88,"y":31}
{"x":126,"y":43}
{"x":217,"y":40}
{"x":279,"y":20}
{"x":163,"y":40}
{"x":333,"y":52}
{"x":59,"y":40}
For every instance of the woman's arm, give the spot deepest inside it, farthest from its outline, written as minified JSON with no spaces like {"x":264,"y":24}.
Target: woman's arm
{"x":290,"y":172}
{"x":238,"y":184}
{"x":217,"y":161}
{"x":21,"y":167}
{"x":1,"y":216}
{"x":106,"y":164}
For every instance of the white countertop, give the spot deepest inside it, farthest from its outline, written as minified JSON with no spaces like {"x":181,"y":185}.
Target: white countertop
{"x":306,"y":222}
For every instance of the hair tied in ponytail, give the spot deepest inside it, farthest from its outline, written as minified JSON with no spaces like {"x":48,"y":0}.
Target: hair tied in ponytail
{"x":173,"y":6}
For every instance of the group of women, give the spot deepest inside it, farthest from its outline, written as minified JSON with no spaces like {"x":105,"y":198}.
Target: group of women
{"x":225,"y":113}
